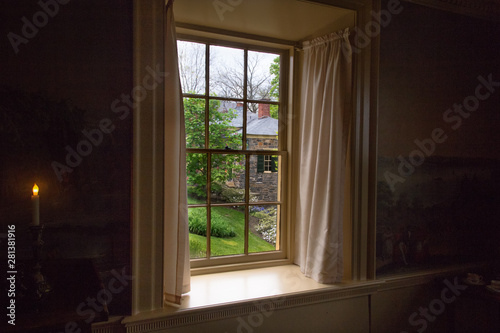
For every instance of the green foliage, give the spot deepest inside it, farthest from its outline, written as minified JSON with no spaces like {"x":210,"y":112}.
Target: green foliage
{"x":275,"y":81}
{"x":222,"y":136}
{"x":198,"y":224}
{"x":274,"y":111}
{"x":275,"y":86}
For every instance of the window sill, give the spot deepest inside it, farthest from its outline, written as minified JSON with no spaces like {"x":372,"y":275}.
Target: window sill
{"x":243,"y":285}
{"x":232,"y":294}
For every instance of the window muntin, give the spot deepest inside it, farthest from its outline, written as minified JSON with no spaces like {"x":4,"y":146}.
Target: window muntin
{"x":228,"y":126}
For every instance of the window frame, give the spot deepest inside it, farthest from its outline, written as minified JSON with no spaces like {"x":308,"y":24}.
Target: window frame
{"x":148,"y":194}
{"x":282,"y":253}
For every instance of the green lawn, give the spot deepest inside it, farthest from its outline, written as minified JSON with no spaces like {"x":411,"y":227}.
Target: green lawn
{"x":227,"y":246}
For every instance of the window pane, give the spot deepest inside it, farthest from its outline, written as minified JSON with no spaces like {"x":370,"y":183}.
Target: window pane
{"x":262,"y":126}
{"x":263,"y":73}
{"x":227,"y":231}
{"x":263,"y":226}
{"x":226,"y":72}
{"x":197,"y":232}
{"x":264,"y":178}
{"x":196,"y":172}
{"x":225,"y":124}
{"x":192,"y":67}
{"x":194,"y":118}
{"x":228,"y":178}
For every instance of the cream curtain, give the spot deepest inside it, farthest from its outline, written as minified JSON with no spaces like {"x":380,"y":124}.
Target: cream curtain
{"x":176,"y":237}
{"x":325,"y":113}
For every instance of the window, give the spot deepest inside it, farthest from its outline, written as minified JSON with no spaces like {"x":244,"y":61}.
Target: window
{"x":236,"y":150}
{"x":267,"y":163}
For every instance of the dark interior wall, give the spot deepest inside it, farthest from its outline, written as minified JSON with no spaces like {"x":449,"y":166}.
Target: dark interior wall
{"x":440,"y":81}
{"x":63,"y":64}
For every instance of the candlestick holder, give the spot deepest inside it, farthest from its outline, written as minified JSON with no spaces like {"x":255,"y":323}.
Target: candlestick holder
{"x":39,"y":287}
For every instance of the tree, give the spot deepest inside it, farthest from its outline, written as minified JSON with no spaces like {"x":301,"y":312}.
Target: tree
{"x":226,"y":73}
{"x":274,"y":69}
{"x":274,"y":92}
{"x":222,"y":136}
{"x":228,"y":80}
{"x":192,"y":66}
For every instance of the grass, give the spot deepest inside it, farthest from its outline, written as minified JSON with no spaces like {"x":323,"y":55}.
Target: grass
{"x":218,"y":227}
{"x":226,"y":246}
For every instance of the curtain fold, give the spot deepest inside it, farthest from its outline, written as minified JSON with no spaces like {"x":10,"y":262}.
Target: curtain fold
{"x":176,"y":237}
{"x":325,"y":114}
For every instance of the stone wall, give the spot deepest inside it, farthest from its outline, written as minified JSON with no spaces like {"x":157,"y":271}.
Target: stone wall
{"x":263,"y":185}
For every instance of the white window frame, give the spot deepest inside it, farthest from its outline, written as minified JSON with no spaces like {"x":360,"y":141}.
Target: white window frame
{"x":267,"y":163}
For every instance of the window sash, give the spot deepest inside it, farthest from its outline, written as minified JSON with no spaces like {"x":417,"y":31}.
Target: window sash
{"x":247,"y":258}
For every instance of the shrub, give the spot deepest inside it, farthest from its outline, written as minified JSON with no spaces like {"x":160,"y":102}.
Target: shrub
{"x":230,"y":194}
{"x":192,"y":191}
{"x":216,"y":188}
{"x":198,"y":225}
{"x":267,"y":223}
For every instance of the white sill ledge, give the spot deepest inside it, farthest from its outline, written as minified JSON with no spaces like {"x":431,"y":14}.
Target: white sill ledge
{"x":244,"y":285}
{"x":233,"y":294}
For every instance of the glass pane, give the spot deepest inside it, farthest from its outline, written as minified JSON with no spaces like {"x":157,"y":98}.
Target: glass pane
{"x":263,"y":228}
{"x":197,"y":232}
{"x":263,"y":74}
{"x":228,"y":178}
{"x":192,"y":67}
{"x":227,"y":231}
{"x":264,"y":178}
{"x":226,"y":72}
{"x":196,"y":174}
{"x":262,"y":126}
{"x":226,"y":121}
{"x":194,"y":118}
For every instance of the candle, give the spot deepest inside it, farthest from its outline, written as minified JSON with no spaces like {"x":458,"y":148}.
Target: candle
{"x":35,"y":200}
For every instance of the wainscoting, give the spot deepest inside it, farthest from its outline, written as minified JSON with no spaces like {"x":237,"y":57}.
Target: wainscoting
{"x":395,"y":304}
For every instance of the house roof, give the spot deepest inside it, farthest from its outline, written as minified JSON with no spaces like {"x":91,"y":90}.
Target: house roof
{"x":255,"y":126}
{"x":263,"y":126}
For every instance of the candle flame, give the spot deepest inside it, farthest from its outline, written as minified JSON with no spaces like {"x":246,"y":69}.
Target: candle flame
{"x":35,"y":189}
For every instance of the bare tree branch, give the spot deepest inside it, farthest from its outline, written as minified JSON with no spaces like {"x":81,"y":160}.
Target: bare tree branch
{"x":226,"y":75}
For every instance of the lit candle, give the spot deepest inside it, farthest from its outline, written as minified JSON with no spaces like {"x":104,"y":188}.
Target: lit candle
{"x":35,"y":200}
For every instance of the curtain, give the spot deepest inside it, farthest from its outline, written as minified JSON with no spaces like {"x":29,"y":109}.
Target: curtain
{"x":325,"y":113}
{"x":176,"y":237}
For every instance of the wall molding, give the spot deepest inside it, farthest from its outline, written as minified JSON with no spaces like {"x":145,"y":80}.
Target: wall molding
{"x":430,"y":276}
{"x":226,"y":311}
{"x":113,"y":325}
{"x":484,"y":9}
